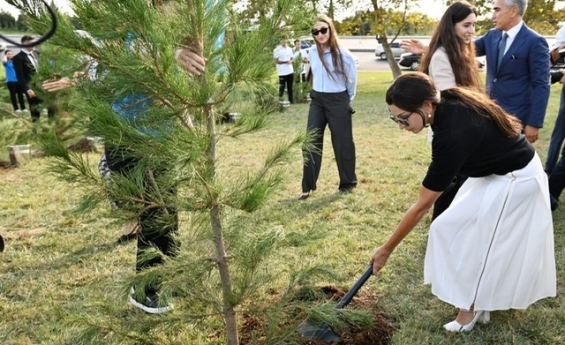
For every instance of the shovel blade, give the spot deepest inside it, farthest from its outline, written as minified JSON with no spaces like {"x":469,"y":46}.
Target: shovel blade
{"x":321,"y":332}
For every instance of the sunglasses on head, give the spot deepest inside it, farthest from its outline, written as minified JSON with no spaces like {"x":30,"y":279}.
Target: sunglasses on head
{"x":323,"y":31}
{"x":400,"y":120}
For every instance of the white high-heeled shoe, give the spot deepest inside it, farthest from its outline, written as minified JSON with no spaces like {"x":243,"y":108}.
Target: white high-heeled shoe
{"x":480,"y":316}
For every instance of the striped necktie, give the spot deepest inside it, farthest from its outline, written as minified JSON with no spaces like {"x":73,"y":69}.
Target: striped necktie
{"x":501,"y":49}
{"x":33,"y":60}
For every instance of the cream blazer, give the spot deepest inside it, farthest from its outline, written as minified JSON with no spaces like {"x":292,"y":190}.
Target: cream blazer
{"x":442,"y":74}
{"x":441,"y":71}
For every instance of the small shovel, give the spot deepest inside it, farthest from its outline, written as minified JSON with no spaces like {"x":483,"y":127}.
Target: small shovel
{"x":324,"y":332}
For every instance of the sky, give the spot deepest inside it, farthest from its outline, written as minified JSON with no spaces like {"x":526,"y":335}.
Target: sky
{"x":433,"y":8}
{"x":62,"y":4}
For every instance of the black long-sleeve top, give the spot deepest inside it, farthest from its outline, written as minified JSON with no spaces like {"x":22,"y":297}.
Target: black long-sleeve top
{"x":472,"y":145}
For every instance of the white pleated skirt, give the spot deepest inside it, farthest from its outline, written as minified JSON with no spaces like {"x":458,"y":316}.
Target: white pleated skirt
{"x":493,"y":247}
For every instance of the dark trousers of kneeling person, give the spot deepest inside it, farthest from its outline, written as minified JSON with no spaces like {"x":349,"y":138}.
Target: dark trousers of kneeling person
{"x":158,"y":225}
{"x":445,"y":199}
{"x":557,"y":180}
{"x":35,"y":108}
{"x":286,"y":81}
{"x":330,"y":109}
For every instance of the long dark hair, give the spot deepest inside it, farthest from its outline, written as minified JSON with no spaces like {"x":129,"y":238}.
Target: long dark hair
{"x":333,"y":43}
{"x":461,"y":55}
{"x":410,"y":91}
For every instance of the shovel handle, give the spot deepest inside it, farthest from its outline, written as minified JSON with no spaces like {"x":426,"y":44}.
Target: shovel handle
{"x":353,"y":291}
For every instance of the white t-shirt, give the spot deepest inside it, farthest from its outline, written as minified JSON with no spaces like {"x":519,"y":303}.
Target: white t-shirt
{"x":559,"y":39}
{"x":283,"y":54}
{"x":300,"y":55}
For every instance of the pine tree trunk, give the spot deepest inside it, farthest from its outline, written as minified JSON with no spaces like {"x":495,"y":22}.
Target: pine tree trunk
{"x":219,"y":243}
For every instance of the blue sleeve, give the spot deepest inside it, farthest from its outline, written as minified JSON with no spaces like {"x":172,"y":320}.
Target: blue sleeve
{"x":539,"y":71}
{"x":480,"y":46}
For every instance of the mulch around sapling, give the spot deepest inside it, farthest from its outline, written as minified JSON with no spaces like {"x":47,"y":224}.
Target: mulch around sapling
{"x":82,"y":145}
{"x":380,"y":334}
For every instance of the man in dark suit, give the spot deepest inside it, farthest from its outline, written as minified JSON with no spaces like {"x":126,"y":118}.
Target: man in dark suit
{"x":518,"y":76}
{"x":25,"y":65}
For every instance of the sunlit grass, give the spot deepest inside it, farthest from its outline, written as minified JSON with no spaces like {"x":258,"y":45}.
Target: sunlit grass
{"x":58,"y":267}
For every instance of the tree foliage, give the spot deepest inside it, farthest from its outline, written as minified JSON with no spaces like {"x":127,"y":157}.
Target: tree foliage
{"x":9,"y":22}
{"x":363,"y":24}
{"x":541,"y":15}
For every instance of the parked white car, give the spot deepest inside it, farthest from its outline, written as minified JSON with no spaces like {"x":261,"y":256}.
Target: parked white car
{"x":394,"y":46}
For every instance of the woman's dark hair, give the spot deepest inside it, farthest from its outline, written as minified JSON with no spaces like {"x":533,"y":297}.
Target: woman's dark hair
{"x":410,"y":91}
{"x":461,"y":55}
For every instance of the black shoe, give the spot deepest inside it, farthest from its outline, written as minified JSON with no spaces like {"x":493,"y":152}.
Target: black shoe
{"x":151,"y":304}
{"x":125,"y":238}
{"x":347,"y":188}
{"x":304,"y":196}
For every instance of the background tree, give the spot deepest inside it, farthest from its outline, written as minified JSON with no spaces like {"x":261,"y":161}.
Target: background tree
{"x":362,"y":24}
{"x":388,"y":19}
{"x":7,"y":21}
{"x":222,"y":265}
{"x":541,"y":15}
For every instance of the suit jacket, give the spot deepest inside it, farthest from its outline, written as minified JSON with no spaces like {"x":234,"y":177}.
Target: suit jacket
{"x":521,"y":84}
{"x":24,"y":70}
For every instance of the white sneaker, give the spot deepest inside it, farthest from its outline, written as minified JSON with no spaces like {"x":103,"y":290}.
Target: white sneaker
{"x":18,"y":111}
{"x":151,"y":305}
{"x":25,"y":111}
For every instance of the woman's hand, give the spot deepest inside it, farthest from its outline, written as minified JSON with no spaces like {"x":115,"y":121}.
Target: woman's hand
{"x":190,"y":61}
{"x":378,"y":260}
{"x":412,"y":46}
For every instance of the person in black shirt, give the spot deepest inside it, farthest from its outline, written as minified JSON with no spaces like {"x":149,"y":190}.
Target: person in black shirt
{"x":492,"y":248}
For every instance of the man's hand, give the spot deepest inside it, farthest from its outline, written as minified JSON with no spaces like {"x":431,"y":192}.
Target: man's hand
{"x":413,"y":46}
{"x":30,"y":93}
{"x":190,"y":61}
{"x":531,"y":133}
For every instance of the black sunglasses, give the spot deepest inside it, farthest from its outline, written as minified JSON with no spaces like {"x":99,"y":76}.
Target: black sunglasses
{"x":322,"y":30}
{"x":400,"y":120}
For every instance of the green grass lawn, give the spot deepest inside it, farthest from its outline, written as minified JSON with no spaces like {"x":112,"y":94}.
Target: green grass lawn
{"x":59,"y":268}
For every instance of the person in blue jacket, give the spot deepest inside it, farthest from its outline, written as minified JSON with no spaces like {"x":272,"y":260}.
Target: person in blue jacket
{"x":154,"y":233}
{"x":16,"y":95}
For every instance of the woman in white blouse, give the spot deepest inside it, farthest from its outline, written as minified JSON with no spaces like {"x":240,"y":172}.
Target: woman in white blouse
{"x":334,"y":80}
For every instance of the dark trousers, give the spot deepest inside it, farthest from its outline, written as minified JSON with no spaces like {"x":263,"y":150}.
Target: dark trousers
{"x":158,"y":224}
{"x":16,"y":95}
{"x":35,"y":108}
{"x":557,"y":177}
{"x":330,"y":109}
{"x":286,"y":81}
{"x":557,"y":137}
{"x":445,"y":199}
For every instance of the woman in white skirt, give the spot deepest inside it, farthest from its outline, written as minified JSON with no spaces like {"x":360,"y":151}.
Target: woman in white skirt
{"x":492,"y":249}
